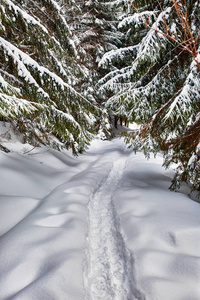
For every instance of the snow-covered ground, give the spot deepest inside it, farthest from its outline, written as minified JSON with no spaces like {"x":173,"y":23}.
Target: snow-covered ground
{"x":103,"y":226}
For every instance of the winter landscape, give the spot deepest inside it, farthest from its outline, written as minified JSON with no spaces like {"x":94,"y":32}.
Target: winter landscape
{"x":99,"y":150}
{"x":100,"y":226}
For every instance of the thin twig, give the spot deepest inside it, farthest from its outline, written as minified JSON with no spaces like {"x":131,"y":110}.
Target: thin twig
{"x":188,"y":42}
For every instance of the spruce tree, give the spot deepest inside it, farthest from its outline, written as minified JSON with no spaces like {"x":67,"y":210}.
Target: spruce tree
{"x":160,"y":86}
{"x":95,"y":32}
{"x":39,"y":72}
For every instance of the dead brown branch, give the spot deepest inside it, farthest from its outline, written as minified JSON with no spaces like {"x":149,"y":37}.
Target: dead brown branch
{"x":186,"y":40}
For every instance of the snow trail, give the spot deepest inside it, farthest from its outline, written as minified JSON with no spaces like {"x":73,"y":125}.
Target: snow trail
{"x":109,"y":272}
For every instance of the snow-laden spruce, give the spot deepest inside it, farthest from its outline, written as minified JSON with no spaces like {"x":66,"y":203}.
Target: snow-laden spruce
{"x":39,"y":74}
{"x":159,"y":88}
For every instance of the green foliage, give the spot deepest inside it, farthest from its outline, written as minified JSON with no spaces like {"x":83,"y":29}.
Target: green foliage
{"x":160,"y":88}
{"x":40,"y":73}
{"x":60,"y":60}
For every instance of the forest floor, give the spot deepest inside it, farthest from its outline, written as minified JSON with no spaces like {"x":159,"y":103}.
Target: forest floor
{"x":103,"y":226}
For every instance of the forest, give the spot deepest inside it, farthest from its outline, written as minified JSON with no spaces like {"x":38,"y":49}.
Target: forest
{"x":70,"y":69}
{"x":99,"y":149}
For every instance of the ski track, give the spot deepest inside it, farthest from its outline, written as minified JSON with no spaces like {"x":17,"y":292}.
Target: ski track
{"x":109,"y":274}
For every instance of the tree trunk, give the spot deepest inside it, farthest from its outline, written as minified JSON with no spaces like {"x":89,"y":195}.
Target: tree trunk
{"x":116,"y":119}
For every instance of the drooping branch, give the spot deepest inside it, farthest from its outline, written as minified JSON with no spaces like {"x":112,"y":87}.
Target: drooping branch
{"x":186,"y":40}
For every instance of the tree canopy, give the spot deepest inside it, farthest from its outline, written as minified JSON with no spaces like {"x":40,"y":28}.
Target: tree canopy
{"x":68,"y":66}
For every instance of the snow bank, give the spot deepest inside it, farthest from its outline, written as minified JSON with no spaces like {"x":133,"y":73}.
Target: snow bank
{"x":162,"y":229}
{"x":45,"y":196}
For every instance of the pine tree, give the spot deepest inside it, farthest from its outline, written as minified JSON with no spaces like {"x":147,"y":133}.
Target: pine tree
{"x":160,"y":86}
{"x":39,"y":72}
{"x":95,"y":32}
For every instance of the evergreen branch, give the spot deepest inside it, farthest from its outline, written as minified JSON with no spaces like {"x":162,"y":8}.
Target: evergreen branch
{"x":188,"y":42}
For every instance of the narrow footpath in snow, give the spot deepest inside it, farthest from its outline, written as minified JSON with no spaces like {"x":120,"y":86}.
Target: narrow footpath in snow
{"x":109,"y":274}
